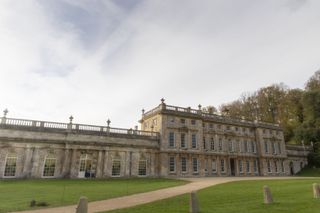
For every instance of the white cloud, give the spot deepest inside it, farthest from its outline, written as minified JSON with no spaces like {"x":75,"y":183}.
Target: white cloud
{"x":99,"y":60}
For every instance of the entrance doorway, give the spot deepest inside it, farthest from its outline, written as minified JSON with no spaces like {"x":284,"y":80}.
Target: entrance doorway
{"x":232,"y":167}
{"x":85,"y":166}
{"x":291,"y":168}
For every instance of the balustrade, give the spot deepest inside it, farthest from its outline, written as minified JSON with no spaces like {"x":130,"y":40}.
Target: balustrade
{"x":77,"y":128}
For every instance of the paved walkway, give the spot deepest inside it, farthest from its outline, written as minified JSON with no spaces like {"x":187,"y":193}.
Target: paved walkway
{"x":147,"y":197}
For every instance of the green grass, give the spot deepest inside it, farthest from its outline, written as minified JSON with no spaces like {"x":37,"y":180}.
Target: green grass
{"x":16,"y":194}
{"x":290,"y":196}
{"x":309,"y":172}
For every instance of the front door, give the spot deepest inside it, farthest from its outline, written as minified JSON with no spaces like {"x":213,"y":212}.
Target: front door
{"x":232,"y":167}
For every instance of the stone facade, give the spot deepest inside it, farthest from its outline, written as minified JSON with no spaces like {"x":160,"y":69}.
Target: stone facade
{"x":173,"y":142}
{"x":195,"y":143}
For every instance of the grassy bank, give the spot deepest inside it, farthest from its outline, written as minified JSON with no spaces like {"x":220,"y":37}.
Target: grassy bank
{"x":17,"y":194}
{"x":242,"y":197}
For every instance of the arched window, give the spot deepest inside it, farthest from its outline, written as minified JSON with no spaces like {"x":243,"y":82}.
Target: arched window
{"x":49,"y":166}
{"x":11,"y":164}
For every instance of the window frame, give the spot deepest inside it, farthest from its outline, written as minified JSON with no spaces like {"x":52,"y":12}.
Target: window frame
{"x":50,"y":158}
{"x":240,"y":167}
{"x":269,"y":169}
{"x":142,"y":169}
{"x":214,"y":168}
{"x":171,"y":140}
{"x":212,"y":144}
{"x":183,"y":142}
{"x":116,"y":170}
{"x":184,"y":167}
{"x":195,"y":165}
{"x":255,"y":166}
{"x":220,"y":144}
{"x":6,"y":167}
{"x":222,"y":166}
{"x":193,"y":141}
{"x":172,"y":165}
{"x":248,"y":169}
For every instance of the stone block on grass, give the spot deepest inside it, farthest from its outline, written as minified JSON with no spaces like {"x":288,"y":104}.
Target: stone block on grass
{"x":193,"y":203}
{"x":267,"y":195}
{"x":82,"y":205}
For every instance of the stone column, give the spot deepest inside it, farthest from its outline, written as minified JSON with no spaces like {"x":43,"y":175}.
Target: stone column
{"x":189,"y":161}
{"x":99,"y":173}
{"x":151,"y":164}
{"x":74,"y":169}
{"x":128,"y":164}
{"x":35,"y":164}
{"x":218,"y":166}
{"x":66,"y":163}
{"x":27,"y":162}
{"x":105,"y":165}
{"x":178,"y":165}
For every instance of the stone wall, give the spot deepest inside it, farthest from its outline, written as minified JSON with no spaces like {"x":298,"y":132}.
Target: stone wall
{"x":297,"y":157}
{"x":32,"y":148}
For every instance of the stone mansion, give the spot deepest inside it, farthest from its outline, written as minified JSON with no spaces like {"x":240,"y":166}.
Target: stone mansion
{"x":173,"y":142}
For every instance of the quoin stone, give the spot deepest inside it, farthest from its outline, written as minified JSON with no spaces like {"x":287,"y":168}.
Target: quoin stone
{"x":193,"y":203}
{"x":82,"y":205}
{"x":267,"y":195}
{"x":316,"y":190}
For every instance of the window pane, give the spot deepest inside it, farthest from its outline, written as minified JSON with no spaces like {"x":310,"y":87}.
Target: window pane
{"x":183,"y":164}
{"x":195,"y":164}
{"x":142,"y":170}
{"x":183,"y":140}
{"x":222,"y":165}
{"x":49,"y":167}
{"x":171,"y":139}
{"x":214,"y":166}
{"x":172,"y":164}
{"x":194,"y":141}
{"x":10,"y":168}
{"x":116,"y":167}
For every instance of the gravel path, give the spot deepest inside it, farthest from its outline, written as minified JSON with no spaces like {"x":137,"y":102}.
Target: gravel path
{"x":147,"y":197}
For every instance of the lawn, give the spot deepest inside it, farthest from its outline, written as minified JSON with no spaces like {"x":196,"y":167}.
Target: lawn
{"x":290,"y":196}
{"x":16,"y":194}
{"x":309,"y":172}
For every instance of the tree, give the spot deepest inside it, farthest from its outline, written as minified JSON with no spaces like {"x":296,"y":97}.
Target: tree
{"x":210,"y":109}
{"x":313,"y":82}
{"x":310,"y":128}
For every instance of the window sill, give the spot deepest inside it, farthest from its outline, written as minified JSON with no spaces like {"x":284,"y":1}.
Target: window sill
{"x":48,"y":177}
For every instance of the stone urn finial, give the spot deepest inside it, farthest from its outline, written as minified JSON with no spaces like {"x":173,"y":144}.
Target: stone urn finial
{"x":71,"y":119}
{"x":162,"y":100}
{"x":199,"y":106}
{"x":108,"y":122}
{"x":5,"y":112}
{"x":143,"y":111}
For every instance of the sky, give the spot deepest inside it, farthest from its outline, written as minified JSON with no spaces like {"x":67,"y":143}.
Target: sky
{"x":100,"y":59}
